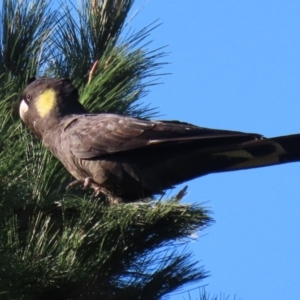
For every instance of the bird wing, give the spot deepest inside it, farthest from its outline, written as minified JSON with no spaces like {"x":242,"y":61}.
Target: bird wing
{"x":92,"y":136}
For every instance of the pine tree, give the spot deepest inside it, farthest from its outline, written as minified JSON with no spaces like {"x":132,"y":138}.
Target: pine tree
{"x":58,"y":244}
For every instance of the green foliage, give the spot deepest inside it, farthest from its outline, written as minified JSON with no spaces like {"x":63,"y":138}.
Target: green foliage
{"x":70,"y":245}
{"x":118,"y":81}
{"x":25,"y":29}
{"x":91,"y":30}
{"x":203,"y":295}
{"x":91,"y":34}
{"x":83,"y":249}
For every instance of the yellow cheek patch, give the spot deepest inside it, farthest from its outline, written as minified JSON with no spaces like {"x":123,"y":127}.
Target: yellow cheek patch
{"x":45,"y":102}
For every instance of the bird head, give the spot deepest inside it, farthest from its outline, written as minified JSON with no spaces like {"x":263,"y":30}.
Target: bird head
{"x":45,"y":101}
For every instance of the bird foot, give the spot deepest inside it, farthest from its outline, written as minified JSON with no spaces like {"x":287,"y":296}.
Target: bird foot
{"x":86,"y":183}
{"x":89,"y":182}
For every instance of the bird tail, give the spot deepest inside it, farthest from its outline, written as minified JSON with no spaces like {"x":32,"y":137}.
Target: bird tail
{"x":267,"y":152}
{"x":196,"y":158}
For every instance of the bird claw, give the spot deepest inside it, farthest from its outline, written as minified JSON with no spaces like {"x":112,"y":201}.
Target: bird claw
{"x":89,"y":182}
{"x":86,"y":183}
{"x":75,"y":183}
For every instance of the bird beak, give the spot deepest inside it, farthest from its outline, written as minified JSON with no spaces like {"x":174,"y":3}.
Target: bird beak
{"x":23,"y":110}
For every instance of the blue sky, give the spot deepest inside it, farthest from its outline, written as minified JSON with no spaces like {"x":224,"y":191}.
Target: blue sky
{"x":236,"y":65}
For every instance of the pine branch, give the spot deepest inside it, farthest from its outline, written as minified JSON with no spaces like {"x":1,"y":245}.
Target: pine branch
{"x":100,"y":252}
{"x":86,"y":32}
{"x":119,"y":82}
{"x":26,"y":26}
{"x":125,"y":69}
{"x":204,"y":295}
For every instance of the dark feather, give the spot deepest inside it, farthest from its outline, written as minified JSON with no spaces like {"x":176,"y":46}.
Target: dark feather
{"x":93,"y":136}
{"x":134,"y":158}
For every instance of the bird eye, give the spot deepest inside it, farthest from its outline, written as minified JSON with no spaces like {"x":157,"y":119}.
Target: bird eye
{"x":28,"y":98}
